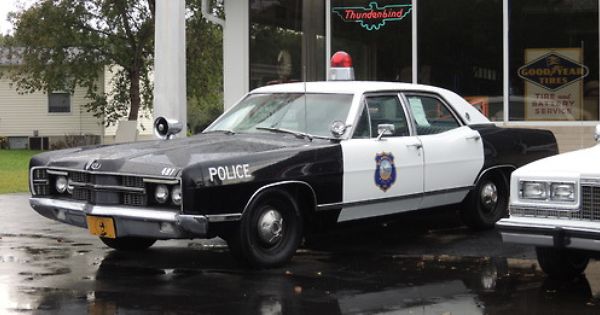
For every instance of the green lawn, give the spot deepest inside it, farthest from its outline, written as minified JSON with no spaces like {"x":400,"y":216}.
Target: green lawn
{"x":13,"y":170}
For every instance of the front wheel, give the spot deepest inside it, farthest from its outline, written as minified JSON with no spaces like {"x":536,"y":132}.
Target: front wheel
{"x":128,"y":243}
{"x":487,"y":203}
{"x":561,"y":263}
{"x":269,"y":232}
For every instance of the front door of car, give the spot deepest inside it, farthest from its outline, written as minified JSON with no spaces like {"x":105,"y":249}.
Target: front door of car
{"x":385,"y":175}
{"x":453,"y":151}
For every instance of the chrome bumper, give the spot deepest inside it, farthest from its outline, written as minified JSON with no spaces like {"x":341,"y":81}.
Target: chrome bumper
{"x":129,"y":221}
{"x":550,"y":233}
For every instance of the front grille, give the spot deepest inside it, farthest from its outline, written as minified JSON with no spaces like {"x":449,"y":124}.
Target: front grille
{"x":81,"y":194}
{"x":134,"y":199}
{"x":132,"y":181}
{"x":79,"y":177}
{"x":41,"y":184}
{"x":590,"y":208}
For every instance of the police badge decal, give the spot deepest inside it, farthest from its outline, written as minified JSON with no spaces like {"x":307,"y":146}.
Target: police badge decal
{"x":385,"y":173}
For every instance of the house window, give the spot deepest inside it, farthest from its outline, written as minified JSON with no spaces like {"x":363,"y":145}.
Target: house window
{"x":59,"y":102}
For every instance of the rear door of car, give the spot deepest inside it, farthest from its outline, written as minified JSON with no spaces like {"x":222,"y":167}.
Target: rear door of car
{"x":453,"y":152}
{"x":381,"y":176}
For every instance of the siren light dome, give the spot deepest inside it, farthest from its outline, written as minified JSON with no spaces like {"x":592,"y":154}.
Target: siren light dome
{"x":341,"y":59}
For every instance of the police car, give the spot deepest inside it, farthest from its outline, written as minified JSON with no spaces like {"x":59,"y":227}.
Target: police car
{"x":287,"y":160}
{"x":554,"y":205}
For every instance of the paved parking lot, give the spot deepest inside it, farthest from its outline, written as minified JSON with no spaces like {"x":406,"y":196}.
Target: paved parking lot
{"x":416,"y":264}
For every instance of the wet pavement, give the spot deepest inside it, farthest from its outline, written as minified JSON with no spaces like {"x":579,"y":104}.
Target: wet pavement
{"x":418,"y":264}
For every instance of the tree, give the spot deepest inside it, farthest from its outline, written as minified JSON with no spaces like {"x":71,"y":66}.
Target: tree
{"x":204,"y":45}
{"x":68,"y":43}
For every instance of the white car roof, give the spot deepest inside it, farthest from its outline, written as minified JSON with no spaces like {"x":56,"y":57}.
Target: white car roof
{"x":469,"y":113}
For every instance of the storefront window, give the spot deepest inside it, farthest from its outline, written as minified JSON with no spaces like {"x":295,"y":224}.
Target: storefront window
{"x":460,"y":48}
{"x":287,"y":41}
{"x":377,"y":35}
{"x":553,"y":60}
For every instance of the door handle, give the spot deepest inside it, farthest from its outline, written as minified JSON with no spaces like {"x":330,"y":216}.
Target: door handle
{"x":475,"y":137}
{"x":416,"y":146}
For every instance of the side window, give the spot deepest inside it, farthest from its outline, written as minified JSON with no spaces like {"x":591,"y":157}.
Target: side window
{"x":387,"y":109}
{"x":362,"y":130}
{"x":431,"y":115}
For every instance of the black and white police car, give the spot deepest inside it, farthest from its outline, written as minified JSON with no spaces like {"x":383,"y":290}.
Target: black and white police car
{"x":286,"y":160}
{"x":555,"y":206}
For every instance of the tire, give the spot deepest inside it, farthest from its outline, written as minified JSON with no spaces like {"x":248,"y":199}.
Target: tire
{"x":487,"y":203}
{"x":269,"y":232}
{"x":561,"y":263}
{"x":128,"y":243}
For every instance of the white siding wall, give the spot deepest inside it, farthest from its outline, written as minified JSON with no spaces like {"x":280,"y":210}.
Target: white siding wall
{"x":20,"y":114}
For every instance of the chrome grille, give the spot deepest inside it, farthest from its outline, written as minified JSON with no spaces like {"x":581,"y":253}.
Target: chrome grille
{"x":590,"y":208}
{"x":134,"y":199}
{"x":132,"y":181}
{"x":81,"y":194}
{"x":79,"y":177}
{"x":41,"y":184}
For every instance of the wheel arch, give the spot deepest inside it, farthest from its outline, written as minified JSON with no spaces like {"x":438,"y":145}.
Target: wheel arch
{"x":504,"y":170}
{"x":306,"y":198}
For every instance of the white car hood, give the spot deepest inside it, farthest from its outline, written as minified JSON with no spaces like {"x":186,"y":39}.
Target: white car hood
{"x":577,"y":163}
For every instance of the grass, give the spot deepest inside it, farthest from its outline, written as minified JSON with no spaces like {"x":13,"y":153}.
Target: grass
{"x":14,"y":165}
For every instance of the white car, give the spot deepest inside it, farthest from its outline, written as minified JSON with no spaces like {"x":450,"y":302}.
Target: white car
{"x":555,"y":206}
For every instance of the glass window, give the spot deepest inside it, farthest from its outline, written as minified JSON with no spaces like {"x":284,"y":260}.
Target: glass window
{"x":308,"y":113}
{"x":363,"y":127}
{"x":553,"y":60}
{"x":59,"y":102}
{"x":387,"y":110}
{"x":431,"y":115}
{"x":287,"y":41}
{"x":377,"y":35}
{"x":460,"y":48}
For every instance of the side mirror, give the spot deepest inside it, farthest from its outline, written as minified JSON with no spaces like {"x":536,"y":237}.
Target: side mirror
{"x":385,"y":130}
{"x":337,"y":128}
{"x":166,"y":128}
{"x":597,"y":133}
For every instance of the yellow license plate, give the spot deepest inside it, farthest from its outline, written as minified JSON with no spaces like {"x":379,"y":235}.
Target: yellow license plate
{"x":101,"y":226}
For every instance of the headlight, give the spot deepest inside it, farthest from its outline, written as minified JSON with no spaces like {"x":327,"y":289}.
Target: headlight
{"x":61,"y":184}
{"x":533,"y":190}
{"x":176,"y":195}
{"x":562,"y":191}
{"x":161,"y":193}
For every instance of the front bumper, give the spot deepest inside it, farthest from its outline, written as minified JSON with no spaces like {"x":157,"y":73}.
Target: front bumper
{"x":129,"y":221}
{"x":572,"y":234}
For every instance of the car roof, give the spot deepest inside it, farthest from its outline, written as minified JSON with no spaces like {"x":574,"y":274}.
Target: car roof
{"x":469,"y":113}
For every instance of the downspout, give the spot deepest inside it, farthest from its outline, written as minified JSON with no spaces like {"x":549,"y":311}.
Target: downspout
{"x":205,"y":9}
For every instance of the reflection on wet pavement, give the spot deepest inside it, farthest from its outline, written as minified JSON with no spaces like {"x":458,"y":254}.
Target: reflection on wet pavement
{"x":389,"y":269}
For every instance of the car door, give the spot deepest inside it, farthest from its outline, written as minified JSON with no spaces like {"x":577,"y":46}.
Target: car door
{"x":453,"y":152}
{"x":385,"y":175}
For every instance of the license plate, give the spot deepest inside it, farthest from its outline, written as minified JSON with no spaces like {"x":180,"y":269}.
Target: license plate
{"x":101,"y":226}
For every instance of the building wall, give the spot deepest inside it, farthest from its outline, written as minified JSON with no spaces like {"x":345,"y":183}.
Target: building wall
{"x":21,"y":114}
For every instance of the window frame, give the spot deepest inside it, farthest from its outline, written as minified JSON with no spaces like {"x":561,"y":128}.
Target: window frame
{"x":363,"y":104}
{"x":440,"y":99}
{"x":70,"y":111}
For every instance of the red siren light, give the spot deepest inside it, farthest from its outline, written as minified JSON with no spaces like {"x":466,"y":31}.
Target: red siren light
{"x":341,"y":59}
{"x":341,"y":67}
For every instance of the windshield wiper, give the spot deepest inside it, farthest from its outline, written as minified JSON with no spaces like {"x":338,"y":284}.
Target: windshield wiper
{"x":227,"y":132}
{"x":292,"y":132}
{"x":295,"y":133}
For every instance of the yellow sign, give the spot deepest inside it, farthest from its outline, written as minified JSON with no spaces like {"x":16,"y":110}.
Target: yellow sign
{"x":101,"y":226}
{"x":553,"y":83}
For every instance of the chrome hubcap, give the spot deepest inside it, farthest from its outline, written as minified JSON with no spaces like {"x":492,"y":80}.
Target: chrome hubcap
{"x":489,"y":195}
{"x":270,"y":226}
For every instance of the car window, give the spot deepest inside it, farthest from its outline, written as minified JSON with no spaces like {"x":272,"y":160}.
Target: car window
{"x":431,"y":115}
{"x":386,"y":110}
{"x":363,"y":129}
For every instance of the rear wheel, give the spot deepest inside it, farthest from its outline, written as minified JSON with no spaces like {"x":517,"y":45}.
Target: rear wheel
{"x":128,"y":243}
{"x":487,"y":203}
{"x":269,"y":232}
{"x":561,"y":263}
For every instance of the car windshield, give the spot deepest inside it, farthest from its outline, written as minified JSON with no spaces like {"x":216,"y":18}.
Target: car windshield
{"x":310,"y":114}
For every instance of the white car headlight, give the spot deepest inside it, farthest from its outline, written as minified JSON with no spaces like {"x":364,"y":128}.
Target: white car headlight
{"x":562,"y":191}
{"x":176,"y":195}
{"x":533,"y":190}
{"x":161,"y":194}
{"x":61,"y":184}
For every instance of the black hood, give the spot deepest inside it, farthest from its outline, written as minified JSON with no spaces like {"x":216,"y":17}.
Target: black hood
{"x":151,"y":157}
